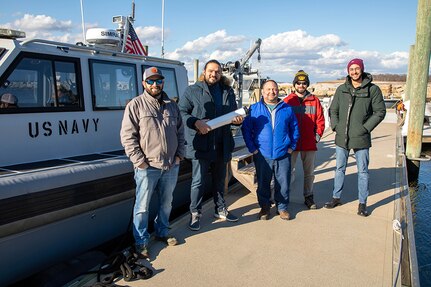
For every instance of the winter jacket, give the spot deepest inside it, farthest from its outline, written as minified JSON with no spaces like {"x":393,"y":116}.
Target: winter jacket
{"x":272,"y":133}
{"x":311,"y":120}
{"x":355,"y":112}
{"x":196,"y":104}
{"x":152,"y":132}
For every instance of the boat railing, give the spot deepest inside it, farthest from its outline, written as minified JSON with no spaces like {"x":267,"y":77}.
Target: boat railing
{"x":97,"y":50}
{"x":405,"y":265}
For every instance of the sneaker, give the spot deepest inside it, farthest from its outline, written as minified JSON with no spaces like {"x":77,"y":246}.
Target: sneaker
{"x":195,"y":222}
{"x":362,"y":209}
{"x":226,"y":215}
{"x":169,"y":240}
{"x":284,"y":214}
{"x":333,"y":203}
{"x":142,"y":250}
{"x":309,"y":202}
{"x":264,"y":213}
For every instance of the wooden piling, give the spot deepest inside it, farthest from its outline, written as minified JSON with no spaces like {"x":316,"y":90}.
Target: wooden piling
{"x":409,"y":72}
{"x":419,"y":79}
{"x":196,"y":70}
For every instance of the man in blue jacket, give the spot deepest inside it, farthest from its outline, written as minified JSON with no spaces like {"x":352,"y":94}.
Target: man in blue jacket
{"x":356,"y":109}
{"x":208,"y":98}
{"x":270,"y":133}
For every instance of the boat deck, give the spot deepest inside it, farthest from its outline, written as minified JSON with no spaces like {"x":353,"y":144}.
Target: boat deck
{"x":316,"y":248}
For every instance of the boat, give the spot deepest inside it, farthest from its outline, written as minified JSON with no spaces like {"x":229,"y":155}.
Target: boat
{"x":391,"y":103}
{"x":405,"y":115}
{"x":66,"y":184}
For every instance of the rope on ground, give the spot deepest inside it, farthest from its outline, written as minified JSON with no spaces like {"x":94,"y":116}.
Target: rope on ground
{"x":122,"y":264}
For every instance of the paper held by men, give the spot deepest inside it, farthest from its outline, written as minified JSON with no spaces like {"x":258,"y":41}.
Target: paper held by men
{"x":226,"y":119}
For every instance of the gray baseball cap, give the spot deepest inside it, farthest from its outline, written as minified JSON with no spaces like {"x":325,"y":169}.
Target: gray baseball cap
{"x":152,"y":71}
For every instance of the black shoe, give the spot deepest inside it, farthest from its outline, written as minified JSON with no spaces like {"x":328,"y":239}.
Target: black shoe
{"x":226,"y":215}
{"x":309,"y":202}
{"x":264,"y":213}
{"x":362,"y":209}
{"x":142,"y":250}
{"x":195,"y":222}
{"x":333,"y":203}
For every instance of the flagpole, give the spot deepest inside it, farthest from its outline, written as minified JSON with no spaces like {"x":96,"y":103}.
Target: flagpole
{"x":83,"y":23}
{"x":163,"y":28}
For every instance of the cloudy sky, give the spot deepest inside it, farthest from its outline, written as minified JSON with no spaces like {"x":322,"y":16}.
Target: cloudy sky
{"x":315,"y":35}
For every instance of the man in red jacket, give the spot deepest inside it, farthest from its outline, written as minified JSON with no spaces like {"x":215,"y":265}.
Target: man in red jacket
{"x":311,"y":122}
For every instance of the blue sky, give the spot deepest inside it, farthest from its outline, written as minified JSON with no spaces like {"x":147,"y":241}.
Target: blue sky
{"x":317,"y":36}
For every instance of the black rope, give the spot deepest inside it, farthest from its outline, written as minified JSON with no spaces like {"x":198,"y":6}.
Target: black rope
{"x":122,"y":264}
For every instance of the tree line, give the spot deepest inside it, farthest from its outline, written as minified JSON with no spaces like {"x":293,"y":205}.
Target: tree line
{"x":390,"y":78}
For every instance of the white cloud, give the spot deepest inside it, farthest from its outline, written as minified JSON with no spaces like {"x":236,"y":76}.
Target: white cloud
{"x":150,"y":35}
{"x":42,"y":23}
{"x":324,"y":57}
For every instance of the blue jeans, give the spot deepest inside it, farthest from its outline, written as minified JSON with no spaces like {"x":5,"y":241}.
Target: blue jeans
{"x":147,"y":181}
{"x":265,"y":170}
{"x":362,"y":160}
{"x":200,"y":169}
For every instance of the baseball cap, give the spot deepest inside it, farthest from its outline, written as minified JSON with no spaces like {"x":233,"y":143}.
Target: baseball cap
{"x":152,"y":71}
{"x":9,"y":98}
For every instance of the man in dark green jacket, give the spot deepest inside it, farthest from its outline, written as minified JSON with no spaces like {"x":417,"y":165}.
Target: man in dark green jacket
{"x":209,"y":150}
{"x":356,"y":109}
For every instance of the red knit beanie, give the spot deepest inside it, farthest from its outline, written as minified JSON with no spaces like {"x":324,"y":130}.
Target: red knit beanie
{"x":356,"y":61}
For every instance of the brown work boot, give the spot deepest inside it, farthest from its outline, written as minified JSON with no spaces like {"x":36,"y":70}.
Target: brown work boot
{"x":284,"y":214}
{"x":263,"y":213}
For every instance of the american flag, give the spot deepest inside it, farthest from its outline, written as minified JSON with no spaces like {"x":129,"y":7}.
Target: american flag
{"x":133,"y":45}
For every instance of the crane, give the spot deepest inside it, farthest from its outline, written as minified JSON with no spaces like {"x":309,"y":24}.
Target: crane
{"x":237,"y":69}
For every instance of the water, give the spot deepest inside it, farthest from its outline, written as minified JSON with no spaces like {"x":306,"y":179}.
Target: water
{"x":421,"y":209}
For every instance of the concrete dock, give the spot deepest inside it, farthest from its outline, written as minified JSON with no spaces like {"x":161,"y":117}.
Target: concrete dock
{"x":315,"y":248}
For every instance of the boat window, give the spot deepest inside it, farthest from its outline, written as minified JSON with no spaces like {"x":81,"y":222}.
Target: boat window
{"x":113,"y":85}
{"x":37,"y":82}
{"x":170,"y":87}
{"x":2,"y":52}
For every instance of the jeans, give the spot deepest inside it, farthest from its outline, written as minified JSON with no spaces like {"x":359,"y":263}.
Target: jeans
{"x":362,"y":160}
{"x":200,"y":169}
{"x":307,"y":158}
{"x":266,"y":169}
{"x":148,"y":181}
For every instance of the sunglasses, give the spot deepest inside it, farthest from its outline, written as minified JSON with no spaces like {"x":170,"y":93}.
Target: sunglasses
{"x":151,"y":82}
{"x":301,"y":83}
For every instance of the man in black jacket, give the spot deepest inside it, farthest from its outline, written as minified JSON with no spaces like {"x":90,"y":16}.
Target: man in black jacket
{"x":208,"y":98}
{"x":356,"y":109}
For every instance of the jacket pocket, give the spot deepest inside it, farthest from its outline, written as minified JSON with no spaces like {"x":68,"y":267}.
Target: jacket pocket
{"x":170,"y":118}
{"x":149,"y":134}
{"x":200,"y":142}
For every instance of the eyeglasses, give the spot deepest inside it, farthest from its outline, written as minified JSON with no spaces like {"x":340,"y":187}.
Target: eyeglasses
{"x":151,"y":82}
{"x":301,"y":83}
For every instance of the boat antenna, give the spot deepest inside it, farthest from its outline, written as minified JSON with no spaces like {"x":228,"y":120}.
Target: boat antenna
{"x":83,"y":23}
{"x":133,"y":10}
{"x":163,"y":28}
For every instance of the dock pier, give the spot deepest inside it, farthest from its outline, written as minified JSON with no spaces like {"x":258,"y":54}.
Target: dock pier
{"x":320,"y":247}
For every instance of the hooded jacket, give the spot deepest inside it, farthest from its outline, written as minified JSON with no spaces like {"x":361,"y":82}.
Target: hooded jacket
{"x":311,"y":120}
{"x":355,"y":112}
{"x":272,"y":133}
{"x":196,"y":104}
